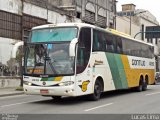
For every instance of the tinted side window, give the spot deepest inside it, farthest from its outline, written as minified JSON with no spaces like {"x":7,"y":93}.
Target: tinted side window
{"x":126,"y":46}
{"x":98,"y":40}
{"x":151,"y":51}
{"x":84,"y":49}
{"x":110,"y":43}
{"x":135,"y":48}
{"x":145,"y":51}
{"x":131,"y":47}
{"x":119,"y":45}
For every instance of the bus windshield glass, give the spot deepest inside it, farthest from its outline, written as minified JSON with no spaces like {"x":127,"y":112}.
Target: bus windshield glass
{"x":54,"y":34}
{"x":47,"y":52}
{"x":49,"y":59}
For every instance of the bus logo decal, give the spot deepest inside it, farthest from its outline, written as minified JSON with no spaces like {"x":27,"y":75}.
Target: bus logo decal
{"x":98,"y":62}
{"x":44,"y":83}
{"x":84,"y":85}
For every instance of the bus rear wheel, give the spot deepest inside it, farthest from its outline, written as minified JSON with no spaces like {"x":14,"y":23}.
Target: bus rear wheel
{"x":139,"y":88}
{"x":97,"y":91}
{"x":142,"y":85}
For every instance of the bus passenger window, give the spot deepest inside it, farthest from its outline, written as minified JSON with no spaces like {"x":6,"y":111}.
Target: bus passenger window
{"x":110,"y":43}
{"x":98,"y":40}
{"x":119,"y":45}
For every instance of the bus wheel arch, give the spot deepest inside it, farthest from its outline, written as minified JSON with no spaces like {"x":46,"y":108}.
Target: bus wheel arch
{"x":97,"y":89}
{"x":147,"y":79}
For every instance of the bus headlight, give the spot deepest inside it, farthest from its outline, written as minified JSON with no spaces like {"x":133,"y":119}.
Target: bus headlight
{"x":67,"y":83}
{"x":27,"y":83}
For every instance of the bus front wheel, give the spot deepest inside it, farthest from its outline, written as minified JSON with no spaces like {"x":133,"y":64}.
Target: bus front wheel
{"x":97,"y":91}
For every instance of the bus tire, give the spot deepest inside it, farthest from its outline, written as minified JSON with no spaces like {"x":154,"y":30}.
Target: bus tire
{"x":141,"y":85}
{"x":97,"y":91}
{"x":144,"y":87}
{"x":56,"y":98}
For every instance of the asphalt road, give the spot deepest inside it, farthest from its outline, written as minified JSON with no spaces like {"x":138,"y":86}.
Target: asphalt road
{"x":115,"y":102}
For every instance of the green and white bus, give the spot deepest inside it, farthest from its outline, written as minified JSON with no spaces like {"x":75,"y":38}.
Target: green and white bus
{"x":75,"y":59}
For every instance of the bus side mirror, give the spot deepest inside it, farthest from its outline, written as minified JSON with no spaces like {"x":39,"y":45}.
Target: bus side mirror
{"x":72,"y":47}
{"x":15,"y":48}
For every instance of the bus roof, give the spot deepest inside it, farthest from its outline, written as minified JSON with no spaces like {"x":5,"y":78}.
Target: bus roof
{"x":64,"y":25}
{"x":79,"y":25}
{"x":115,"y":32}
{"x":118,"y":33}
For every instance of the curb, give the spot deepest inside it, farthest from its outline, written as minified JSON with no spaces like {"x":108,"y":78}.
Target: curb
{"x":11,"y":94}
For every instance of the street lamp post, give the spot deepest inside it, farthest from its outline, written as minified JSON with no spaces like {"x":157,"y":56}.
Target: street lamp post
{"x":145,"y":32}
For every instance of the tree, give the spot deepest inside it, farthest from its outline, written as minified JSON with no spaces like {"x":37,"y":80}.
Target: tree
{"x":12,"y":66}
{"x":19,"y":57}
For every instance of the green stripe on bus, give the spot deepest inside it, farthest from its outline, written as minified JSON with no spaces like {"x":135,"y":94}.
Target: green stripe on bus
{"x":121,"y":71}
{"x":117,"y":70}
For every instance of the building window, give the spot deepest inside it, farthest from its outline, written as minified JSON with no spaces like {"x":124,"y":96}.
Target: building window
{"x":78,"y":15}
{"x":10,"y":25}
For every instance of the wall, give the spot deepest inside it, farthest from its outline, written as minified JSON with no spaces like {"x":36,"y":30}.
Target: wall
{"x":13,"y":6}
{"x":54,"y":17}
{"x":99,"y":12}
{"x":9,"y":82}
{"x":9,"y":27}
{"x":5,"y":49}
{"x":123,"y":25}
{"x":35,"y":10}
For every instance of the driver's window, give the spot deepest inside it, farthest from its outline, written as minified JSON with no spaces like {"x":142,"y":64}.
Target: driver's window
{"x":84,"y":49}
{"x":40,"y":52}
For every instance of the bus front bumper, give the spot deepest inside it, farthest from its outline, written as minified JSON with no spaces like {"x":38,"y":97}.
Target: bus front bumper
{"x":50,"y":91}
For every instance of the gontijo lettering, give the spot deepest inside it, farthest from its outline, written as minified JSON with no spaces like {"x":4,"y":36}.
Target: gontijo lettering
{"x":151,"y":63}
{"x":138,"y":62}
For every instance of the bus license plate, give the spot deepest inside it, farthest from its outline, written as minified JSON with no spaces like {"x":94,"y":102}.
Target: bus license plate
{"x":44,"y":91}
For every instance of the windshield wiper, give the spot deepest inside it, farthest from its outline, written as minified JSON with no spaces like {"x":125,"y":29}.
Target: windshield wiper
{"x":40,"y":51}
{"x":47,"y":58}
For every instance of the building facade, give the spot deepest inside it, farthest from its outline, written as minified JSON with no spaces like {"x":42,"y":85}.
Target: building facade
{"x":17,"y":17}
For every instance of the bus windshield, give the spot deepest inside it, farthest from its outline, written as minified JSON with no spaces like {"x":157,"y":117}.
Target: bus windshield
{"x":47,"y":52}
{"x":49,"y":59}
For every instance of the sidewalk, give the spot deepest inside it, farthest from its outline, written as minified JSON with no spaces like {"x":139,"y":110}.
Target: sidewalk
{"x":9,"y":92}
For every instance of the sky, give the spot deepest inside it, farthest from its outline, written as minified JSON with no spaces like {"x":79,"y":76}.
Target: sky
{"x":153,"y":6}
